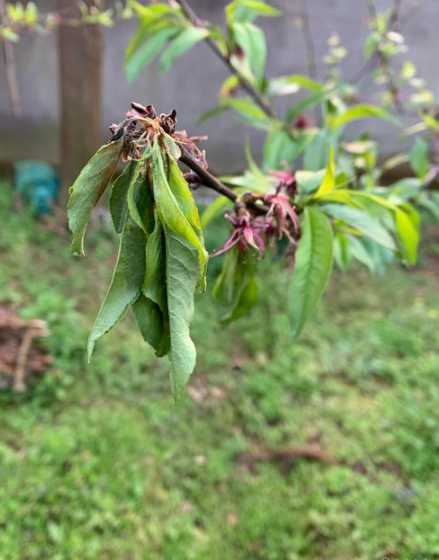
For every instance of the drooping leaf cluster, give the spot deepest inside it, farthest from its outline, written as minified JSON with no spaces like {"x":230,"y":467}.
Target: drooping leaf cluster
{"x":317,"y":198}
{"x":161,"y":259}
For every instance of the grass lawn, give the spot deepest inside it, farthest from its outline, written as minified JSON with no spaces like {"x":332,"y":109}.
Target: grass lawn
{"x":98,"y":463}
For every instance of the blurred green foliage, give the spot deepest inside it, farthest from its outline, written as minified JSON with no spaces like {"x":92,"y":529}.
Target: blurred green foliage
{"x":97,"y":462}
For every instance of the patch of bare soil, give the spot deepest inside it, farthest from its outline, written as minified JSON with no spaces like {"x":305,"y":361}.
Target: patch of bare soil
{"x":20,"y":356}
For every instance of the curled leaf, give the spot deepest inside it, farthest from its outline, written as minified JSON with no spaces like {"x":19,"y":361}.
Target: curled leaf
{"x":87,"y":190}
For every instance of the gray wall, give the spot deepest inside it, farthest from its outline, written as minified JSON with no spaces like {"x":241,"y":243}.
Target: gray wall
{"x":191,"y":88}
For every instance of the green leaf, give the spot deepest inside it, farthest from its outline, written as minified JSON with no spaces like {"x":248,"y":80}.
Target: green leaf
{"x":287,"y":85}
{"x":248,"y":10}
{"x":126,"y":283}
{"x":145,"y":53}
{"x":363,"y":222}
{"x":184,"y":42}
{"x":253,"y":43}
{"x":419,"y":159}
{"x":118,"y":198}
{"x":359,"y":112}
{"x":251,"y":113}
{"x":87,"y":190}
{"x":152,"y":324}
{"x":214,"y":209}
{"x":316,"y":151}
{"x":282,"y":149}
{"x":309,"y":181}
{"x":407,"y":229}
{"x":405,"y":189}
{"x":328,"y":183}
{"x":182,"y":272}
{"x":307,"y":103}
{"x":236,"y":288}
{"x":313,"y":267}
{"x":359,"y":252}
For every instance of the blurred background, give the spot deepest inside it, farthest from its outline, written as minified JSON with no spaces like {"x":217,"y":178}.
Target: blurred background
{"x":325,"y":448}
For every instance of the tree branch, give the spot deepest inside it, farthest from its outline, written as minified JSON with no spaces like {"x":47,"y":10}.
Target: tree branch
{"x":309,"y":40}
{"x":207,"y":178}
{"x":11,"y":69}
{"x":244,"y":83}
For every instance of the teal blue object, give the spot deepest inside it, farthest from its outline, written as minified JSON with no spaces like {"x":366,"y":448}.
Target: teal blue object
{"x":38,"y":184}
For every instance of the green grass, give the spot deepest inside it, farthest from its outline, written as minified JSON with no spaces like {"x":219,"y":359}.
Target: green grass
{"x":98,"y":463}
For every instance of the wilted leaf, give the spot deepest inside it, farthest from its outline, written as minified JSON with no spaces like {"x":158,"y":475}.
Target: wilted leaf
{"x":126,"y":283}
{"x":87,"y":190}
{"x":153,"y":325}
{"x":170,"y":213}
{"x":118,"y":199}
{"x":182,"y":273}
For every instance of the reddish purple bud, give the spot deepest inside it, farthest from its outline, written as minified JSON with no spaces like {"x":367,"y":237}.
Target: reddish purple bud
{"x":302,"y":122}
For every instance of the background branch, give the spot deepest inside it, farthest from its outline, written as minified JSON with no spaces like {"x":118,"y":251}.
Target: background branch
{"x":10,"y":68}
{"x":244,"y":83}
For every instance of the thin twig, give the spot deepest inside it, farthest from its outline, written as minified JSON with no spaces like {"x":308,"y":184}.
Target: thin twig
{"x":244,"y":83}
{"x":309,"y":40}
{"x":383,"y":60}
{"x":22,"y":357}
{"x":11,"y":68}
{"x":210,"y":181}
{"x":207,"y":178}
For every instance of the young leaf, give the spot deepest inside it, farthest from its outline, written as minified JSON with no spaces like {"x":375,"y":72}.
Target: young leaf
{"x":316,"y":151}
{"x":280,"y":148}
{"x":87,"y":190}
{"x":236,"y":289}
{"x":126,"y":283}
{"x":249,"y":111}
{"x":359,"y":112}
{"x":328,"y":183}
{"x":363,"y":222}
{"x":419,"y":158}
{"x":248,"y":10}
{"x":252,"y":41}
{"x":183,"y":42}
{"x":408,"y":235}
{"x":182,"y":272}
{"x":313,"y":267}
{"x":287,"y":85}
{"x":146,"y":52}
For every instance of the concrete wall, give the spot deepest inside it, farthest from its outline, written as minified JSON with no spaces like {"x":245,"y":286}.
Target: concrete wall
{"x":191,"y":88}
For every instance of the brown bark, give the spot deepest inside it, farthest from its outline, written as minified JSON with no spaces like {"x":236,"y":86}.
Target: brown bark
{"x":80,"y":76}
